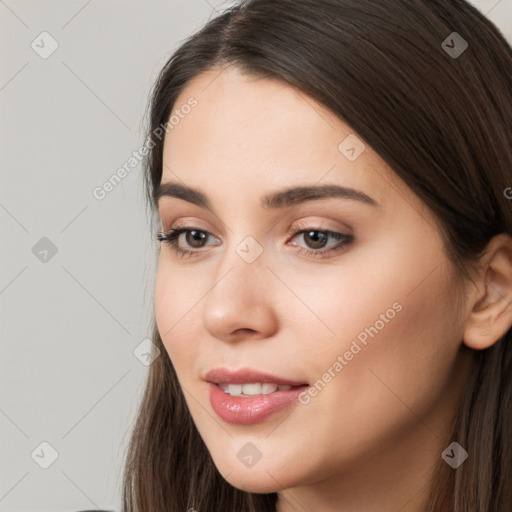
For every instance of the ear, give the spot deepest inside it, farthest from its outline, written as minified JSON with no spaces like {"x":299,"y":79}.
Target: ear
{"x":491,"y":314}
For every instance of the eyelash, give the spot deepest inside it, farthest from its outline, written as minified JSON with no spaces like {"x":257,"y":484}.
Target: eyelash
{"x":171,"y":238}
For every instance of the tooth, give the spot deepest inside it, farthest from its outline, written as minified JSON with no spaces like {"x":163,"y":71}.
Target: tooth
{"x":268,"y":388}
{"x":234,"y":389}
{"x":251,"y":389}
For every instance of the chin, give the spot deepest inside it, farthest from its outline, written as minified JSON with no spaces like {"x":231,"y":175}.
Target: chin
{"x":248,"y":481}
{"x":262,"y":478}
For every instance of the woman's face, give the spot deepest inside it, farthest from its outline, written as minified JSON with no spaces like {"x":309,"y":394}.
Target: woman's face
{"x":366,"y":320}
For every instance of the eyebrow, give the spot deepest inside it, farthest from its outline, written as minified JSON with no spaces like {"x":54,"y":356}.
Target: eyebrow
{"x":279,"y":199}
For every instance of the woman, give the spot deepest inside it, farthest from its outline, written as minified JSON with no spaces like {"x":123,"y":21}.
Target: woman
{"x":331,"y":180}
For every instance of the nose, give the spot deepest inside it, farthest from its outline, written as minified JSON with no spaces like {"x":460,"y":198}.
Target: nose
{"x":241,"y":302}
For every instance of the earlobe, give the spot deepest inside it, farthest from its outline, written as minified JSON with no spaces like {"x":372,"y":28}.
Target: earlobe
{"x":491,"y":314}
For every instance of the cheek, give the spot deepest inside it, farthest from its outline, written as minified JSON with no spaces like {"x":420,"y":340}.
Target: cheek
{"x":395,"y":346}
{"x":176,"y":317}
{"x":381,"y":295}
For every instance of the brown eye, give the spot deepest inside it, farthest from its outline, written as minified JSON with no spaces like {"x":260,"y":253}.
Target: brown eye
{"x":195,"y":238}
{"x":315,"y":239}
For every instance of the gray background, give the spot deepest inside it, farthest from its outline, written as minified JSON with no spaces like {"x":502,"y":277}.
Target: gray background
{"x":73,"y":322}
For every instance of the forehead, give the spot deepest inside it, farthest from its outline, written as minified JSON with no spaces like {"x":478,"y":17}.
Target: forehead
{"x":248,"y":133}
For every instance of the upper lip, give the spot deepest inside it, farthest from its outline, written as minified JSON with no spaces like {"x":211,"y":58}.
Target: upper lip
{"x":247,"y":375}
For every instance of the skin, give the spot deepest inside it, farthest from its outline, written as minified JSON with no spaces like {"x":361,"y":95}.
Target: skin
{"x":370,"y":440}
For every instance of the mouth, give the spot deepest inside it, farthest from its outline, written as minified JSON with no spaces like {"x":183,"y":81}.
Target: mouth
{"x":254,"y":388}
{"x":250,"y":396}
{"x":249,"y":409}
{"x":249,"y":379}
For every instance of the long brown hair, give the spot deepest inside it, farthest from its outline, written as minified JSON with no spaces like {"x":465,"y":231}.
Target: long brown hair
{"x":442,"y":121}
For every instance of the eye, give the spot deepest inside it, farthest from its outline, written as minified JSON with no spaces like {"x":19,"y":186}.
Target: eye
{"x":315,"y":238}
{"x":194,"y":237}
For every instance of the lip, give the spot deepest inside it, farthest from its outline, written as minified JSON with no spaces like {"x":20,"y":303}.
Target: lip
{"x":251,"y":409}
{"x":247,"y":375}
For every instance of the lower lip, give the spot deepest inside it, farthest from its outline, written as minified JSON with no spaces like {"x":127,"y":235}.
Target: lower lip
{"x":253,"y":409}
